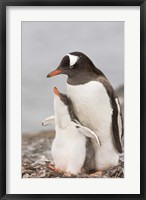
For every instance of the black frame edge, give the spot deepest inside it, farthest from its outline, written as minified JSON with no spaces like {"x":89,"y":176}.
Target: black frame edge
{"x":73,"y":2}
{"x":2,"y":100}
{"x":71,"y":196}
{"x":142,"y":86}
{"x":3,"y":4}
{"x":144,"y":99}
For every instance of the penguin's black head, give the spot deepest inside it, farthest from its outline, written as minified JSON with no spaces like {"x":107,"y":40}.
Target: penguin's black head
{"x":72,"y":64}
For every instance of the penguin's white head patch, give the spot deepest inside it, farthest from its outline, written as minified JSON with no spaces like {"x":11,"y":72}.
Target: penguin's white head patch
{"x":72,"y":60}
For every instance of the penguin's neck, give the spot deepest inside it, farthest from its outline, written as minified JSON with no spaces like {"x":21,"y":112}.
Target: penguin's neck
{"x":85,"y":75}
{"x":81,"y":78}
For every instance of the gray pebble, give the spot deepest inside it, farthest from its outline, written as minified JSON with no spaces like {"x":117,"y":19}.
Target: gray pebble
{"x":25,"y":160}
{"x":33,"y":175}
{"x":28,"y":171}
{"x":41,"y":173}
{"x":26,"y":176}
{"x":48,"y":174}
{"x":37,"y":167}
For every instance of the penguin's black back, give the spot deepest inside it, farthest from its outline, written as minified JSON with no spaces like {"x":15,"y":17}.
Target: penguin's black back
{"x":112,"y":96}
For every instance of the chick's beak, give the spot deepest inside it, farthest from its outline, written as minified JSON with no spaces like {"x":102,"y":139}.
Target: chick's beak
{"x":54,"y":73}
{"x":56,"y":91}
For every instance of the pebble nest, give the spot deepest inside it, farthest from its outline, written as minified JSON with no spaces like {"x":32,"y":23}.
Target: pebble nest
{"x":36,"y":159}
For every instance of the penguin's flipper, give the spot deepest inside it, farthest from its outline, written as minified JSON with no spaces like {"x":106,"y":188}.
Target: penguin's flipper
{"x":120,"y":120}
{"x":117,"y":125}
{"x":86,"y":131}
{"x":48,"y":120}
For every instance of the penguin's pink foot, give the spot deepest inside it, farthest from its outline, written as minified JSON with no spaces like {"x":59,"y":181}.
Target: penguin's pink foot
{"x":98,"y":173}
{"x":54,"y":169}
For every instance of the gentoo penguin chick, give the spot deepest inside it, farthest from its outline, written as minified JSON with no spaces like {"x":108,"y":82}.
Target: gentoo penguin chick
{"x":95,"y":104}
{"x":72,"y":149}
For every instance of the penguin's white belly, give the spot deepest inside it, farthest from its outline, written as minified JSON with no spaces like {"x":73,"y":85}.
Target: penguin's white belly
{"x":69,"y":149}
{"x":92,"y":106}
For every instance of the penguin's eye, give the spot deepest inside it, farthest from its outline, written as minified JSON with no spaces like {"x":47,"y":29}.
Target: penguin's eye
{"x":71,"y":66}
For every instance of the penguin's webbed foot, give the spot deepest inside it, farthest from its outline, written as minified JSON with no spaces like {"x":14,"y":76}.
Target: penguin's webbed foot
{"x":54,"y":169}
{"x":98,"y":173}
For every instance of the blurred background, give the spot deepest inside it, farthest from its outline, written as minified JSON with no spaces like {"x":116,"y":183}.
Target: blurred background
{"x":43,"y":46}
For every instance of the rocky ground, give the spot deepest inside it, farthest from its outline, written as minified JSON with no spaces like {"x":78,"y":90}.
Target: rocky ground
{"x":36,"y":159}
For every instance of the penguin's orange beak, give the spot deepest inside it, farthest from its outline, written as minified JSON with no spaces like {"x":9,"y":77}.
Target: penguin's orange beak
{"x":54,"y":73}
{"x":56,"y":91}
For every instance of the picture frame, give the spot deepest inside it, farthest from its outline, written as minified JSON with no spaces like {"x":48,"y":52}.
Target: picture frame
{"x":3,"y":92}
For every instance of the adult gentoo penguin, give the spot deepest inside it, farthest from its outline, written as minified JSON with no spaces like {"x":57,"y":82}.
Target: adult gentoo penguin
{"x":95,"y":105}
{"x":72,"y":149}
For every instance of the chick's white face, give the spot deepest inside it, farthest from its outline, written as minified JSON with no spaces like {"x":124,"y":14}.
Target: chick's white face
{"x":59,"y":106}
{"x":62,"y":116}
